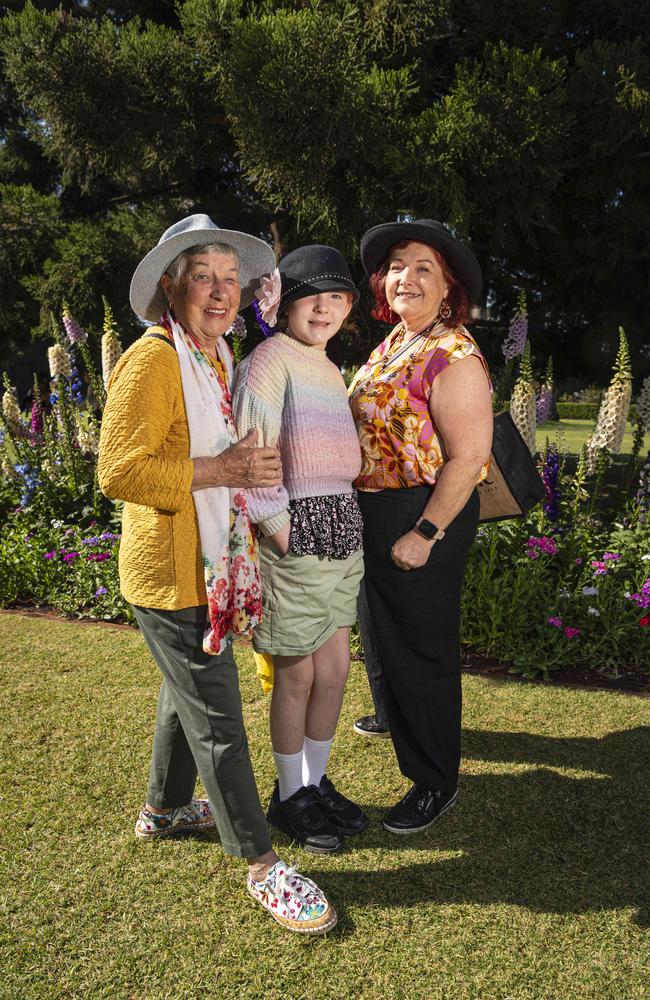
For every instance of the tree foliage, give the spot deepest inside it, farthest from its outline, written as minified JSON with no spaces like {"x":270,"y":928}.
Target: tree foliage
{"x":524,"y":125}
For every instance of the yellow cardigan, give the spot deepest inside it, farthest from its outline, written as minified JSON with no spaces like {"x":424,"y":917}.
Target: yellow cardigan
{"x":144,"y":460}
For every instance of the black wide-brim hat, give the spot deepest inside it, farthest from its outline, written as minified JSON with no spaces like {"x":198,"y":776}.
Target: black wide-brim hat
{"x":313,"y":269}
{"x":376,"y":243}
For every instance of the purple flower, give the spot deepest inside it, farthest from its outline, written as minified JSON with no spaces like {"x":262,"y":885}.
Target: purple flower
{"x":578,"y":561}
{"x":555,"y":622}
{"x":267,"y":330}
{"x":76,"y":334}
{"x":613,"y":556}
{"x":100,"y":591}
{"x":571,"y":633}
{"x":98,"y":556}
{"x":551,"y":478}
{"x":70,"y":557}
{"x":36,"y":426}
{"x":544,"y":405}
{"x":515,"y":342}
{"x":90,"y":541}
{"x":50,"y":555}
{"x":642,"y":600}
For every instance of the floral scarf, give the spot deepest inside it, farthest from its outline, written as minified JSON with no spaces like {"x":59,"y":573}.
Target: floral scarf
{"x":228,"y":545}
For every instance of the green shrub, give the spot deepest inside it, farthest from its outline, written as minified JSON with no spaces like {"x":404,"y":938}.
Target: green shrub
{"x":578,"y":411}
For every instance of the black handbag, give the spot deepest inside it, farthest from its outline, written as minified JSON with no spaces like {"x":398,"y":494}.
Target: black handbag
{"x":513,"y":484}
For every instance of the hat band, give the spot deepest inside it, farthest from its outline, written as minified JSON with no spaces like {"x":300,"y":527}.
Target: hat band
{"x":316,"y":277}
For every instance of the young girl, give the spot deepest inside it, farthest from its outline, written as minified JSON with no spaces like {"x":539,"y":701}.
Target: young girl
{"x":311,"y":560}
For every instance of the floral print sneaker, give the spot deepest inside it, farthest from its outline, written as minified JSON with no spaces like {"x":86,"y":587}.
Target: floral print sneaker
{"x":195,"y":815}
{"x":293,"y":900}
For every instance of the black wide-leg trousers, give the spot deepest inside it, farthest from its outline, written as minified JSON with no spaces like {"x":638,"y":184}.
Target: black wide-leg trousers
{"x":416,"y":620}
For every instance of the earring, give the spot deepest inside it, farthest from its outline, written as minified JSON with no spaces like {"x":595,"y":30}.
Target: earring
{"x":444,"y":311}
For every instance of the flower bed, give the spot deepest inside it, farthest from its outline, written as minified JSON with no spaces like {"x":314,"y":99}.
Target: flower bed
{"x":568,"y":585}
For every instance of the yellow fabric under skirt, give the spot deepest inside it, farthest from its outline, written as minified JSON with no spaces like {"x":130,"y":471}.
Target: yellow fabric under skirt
{"x":264,"y":670}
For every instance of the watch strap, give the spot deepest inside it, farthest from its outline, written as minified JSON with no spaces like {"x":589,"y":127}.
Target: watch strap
{"x":429,"y":530}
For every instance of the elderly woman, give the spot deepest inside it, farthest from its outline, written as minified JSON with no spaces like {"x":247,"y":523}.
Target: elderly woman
{"x":188,"y":555}
{"x":422,"y":407}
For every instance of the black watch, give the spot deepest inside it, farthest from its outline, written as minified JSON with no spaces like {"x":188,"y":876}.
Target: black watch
{"x":428,"y":530}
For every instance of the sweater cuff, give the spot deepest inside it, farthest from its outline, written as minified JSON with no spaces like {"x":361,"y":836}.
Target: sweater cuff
{"x":273,"y":524}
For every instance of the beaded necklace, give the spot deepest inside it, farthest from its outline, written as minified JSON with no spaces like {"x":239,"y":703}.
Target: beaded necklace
{"x":391,"y":356}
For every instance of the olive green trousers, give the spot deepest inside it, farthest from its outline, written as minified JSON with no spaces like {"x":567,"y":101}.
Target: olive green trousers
{"x":200,"y":729}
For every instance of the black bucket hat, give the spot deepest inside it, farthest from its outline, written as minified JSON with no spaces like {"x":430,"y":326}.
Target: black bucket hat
{"x":376,"y":243}
{"x":313,"y":269}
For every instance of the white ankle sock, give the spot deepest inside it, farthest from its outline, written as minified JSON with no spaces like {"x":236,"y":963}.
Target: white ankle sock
{"x":289,"y":768}
{"x":315,"y":756}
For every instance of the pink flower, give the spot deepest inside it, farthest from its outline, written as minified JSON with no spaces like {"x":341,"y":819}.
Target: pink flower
{"x":571,"y":633}
{"x":599,"y":568}
{"x":578,"y":561}
{"x":268,"y":296}
{"x":543,"y":544}
{"x":555,"y":622}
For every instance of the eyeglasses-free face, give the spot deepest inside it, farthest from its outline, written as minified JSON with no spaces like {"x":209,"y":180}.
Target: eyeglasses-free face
{"x":206,"y":299}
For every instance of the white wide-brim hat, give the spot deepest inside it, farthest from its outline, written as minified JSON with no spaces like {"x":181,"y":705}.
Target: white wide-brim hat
{"x":256,"y":258}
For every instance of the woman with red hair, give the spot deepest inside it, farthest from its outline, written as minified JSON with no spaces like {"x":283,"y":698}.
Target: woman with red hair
{"x":423,"y":412}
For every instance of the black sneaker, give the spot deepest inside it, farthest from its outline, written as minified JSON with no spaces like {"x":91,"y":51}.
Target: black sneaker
{"x":344,"y":814}
{"x":419,"y":809}
{"x":301,"y":818}
{"x":367,"y":725}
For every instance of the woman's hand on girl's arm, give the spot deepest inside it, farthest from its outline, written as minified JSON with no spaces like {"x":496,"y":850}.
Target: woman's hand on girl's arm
{"x":243,"y":465}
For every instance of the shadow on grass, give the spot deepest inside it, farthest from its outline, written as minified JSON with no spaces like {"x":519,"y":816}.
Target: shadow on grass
{"x":538,"y":839}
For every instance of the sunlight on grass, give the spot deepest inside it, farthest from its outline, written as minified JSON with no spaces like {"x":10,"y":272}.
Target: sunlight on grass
{"x":576,"y":433}
{"x":531,"y":889}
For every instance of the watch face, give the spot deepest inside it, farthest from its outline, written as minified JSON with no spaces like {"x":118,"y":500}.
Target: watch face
{"x":427,"y":529}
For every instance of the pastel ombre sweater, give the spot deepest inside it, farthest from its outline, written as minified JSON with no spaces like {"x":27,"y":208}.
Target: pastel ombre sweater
{"x":296,"y":398}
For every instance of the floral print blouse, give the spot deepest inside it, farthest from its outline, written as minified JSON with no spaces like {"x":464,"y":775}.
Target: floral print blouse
{"x":389,"y":397}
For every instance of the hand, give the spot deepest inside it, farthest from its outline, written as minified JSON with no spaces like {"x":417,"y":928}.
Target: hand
{"x":245,"y":465}
{"x":411,"y":550}
{"x":281,"y":539}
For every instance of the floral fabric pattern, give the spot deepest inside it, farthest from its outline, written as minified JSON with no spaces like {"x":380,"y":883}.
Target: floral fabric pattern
{"x":389,"y":398}
{"x":293,"y":900}
{"x":326,"y":526}
{"x":229,"y":547}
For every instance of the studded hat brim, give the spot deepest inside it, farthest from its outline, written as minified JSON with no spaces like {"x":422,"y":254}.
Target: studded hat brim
{"x":301,"y":290}
{"x":376,"y":243}
{"x":256,"y":258}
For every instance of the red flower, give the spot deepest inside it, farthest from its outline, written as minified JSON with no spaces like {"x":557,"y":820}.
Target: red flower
{"x":644,"y":621}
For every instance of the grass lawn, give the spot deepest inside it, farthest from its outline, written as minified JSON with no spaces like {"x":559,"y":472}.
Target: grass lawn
{"x":576,"y":432}
{"x":534,"y":888}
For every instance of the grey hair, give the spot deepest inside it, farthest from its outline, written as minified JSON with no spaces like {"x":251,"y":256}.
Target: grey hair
{"x":180,"y":265}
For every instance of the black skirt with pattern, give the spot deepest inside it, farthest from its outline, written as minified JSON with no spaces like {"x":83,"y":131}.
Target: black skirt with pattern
{"x":326,"y":526}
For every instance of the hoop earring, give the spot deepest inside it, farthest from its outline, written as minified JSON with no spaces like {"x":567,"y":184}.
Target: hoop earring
{"x":444,"y":311}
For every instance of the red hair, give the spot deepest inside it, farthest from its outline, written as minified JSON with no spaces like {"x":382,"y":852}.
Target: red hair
{"x":457,"y":296}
